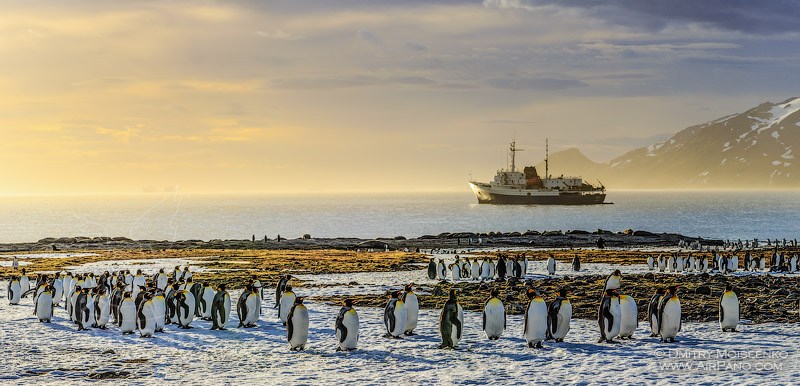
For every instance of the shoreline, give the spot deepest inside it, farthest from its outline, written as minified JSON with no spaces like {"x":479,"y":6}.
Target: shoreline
{"x":458,"y":240}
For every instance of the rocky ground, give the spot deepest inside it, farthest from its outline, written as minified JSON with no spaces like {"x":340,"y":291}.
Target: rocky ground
{"x":763,"y":298}
{"x":549,"y":239}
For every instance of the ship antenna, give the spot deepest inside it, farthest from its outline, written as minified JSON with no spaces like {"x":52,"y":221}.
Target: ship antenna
{"x":513,"y":152}
{"x":546,"y":159}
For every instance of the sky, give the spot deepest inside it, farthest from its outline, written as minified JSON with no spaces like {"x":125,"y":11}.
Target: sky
{"x":374,"y":96}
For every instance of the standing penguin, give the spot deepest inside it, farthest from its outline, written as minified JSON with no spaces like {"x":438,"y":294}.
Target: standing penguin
{"x":206,"y":299}
{"x":432,"y":269}
{"x":184,"y":308}
{"x":535,"y":325}
{"x":220,"y":308}
{"x":44,"y":305}
{"x":286,"y":304}
{"x":501,"y":268}
{"x":608,"y":316}
{"x":662,"y":263}
{"x":441,"y":270}
{"x":247,"y":307}
{"x":297,"y":325}
{"x":159,"y":310}
{"x":559,"y":314}
{"x":728,"y":309}
{"x":82,"y":310}
{"x":551,"y":265}
{"x":475,"y":270}
{"x":669,"y":315}
{"x":629,"y":319}
{"x":24,"y":281}
{"x":127,"y":314}
{"x":161,"y":279}
{"x":455,"y":270}
{"x":14,"y":263}
{"x":102,"y":309}
{"x":282,"y":283}
{"x":494,"y":316}
{"x":145,"y":317}
{"x":58,"y":290}
{"x":395,"y":316}
{"x":14,"y":291}
{"x":486,"y":270}
{"x":650,"y":263}
{"x":576,"y":263}
{"x":652,"y":311}
{"x":451,"y":321}
{"x":347,"y":327}
{"x":412,"y":309}
{"x":517,"y":269}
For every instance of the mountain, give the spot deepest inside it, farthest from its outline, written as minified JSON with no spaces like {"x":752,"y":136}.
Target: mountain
{"x":753,"y":149}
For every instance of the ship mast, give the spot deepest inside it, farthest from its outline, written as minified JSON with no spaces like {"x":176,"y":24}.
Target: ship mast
{"x":546,"y":159}
{"x":513,"y":151}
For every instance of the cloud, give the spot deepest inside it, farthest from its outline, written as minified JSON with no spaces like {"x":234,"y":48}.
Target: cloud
{"x":278,"y":34}
{"x":370,"y":37}
{"x":525,"y":83}
{"x":753,"y":17}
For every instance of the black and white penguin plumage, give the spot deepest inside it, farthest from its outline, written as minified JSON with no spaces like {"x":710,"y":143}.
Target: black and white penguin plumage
{"x":44,"y":305}
{"x":184,"y":308}
{"x":58,"y":290}
{"x":297,"y":325}
{"x":161,"y":279}
{"x":395,"y":316}
{"x":146,"y":318}
{"x":501,"y":268}
{"x":576,"y":263}
{"x":728,"y":309}
{"x":197,"y":291}
{"x":347,"y":327}
{"x":551,"y":265}
{"x":220,"y":308}
{"x":82,"y":316}
{"x":102,"y":309}
{"x":455,"y":270}
{"x":669,"y":315}
{"x":650,"y":263}
{"x":559,"y":315}
{"x":629,"y":316}
{"x":206,"y":298}
{"x":14,"y":293}
{"x":159,"y":310}
{"x":535,"y":322}
{"x":451,"y":321}
{"x":609,"y":316}
{"x":280,"y":287}
{"x":411,"y":301}
{"x":652,"y":311}
{"x":432,"y":269}
{"x":494,"y":316}
{"x":127,"y":314}
{"x":614,"y":281}
{"x":286,"y":304}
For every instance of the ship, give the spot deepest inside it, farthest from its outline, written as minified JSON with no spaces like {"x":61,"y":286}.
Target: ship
{"x":512,"y":187}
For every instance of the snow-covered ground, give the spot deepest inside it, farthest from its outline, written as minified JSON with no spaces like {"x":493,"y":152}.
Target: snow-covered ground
{"x":148,"y":266}
{"x":37,"y":353}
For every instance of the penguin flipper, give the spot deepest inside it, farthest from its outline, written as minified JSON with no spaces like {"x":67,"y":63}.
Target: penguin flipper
{"x":290,"y":325}
{"x":721,"y":309}
{"x":484,"y":320}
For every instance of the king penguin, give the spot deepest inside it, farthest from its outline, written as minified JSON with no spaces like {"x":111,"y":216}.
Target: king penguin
{"x":535,"y":324}
{"x":551,"y":265}
{"x":559,"y":315}
{"x":412,"y":309}
{"x":614,"y":281}
{"x":159,"y":310}
{"x":629,"y":319}
{"x":441,"y":270}
{"x":432,"y":269}
{"x":14,"y":291}
{"x":494,"y":316}
{"x":451,"y":321}
{"x":282,"y":283}
{"x":220,"y":308}
{"x":102,"y":309}
{"x":286,"y":304}
{"x":576,"y":263}
{"x":728,"y":309}
{"x":395,"y":316}
{"x":44,"y":305}
{"x":652,"y":311}
{"x":247,"y":308}
{"x":455,"y":269}
{"x":206,"y":299}
{"x":184,"y":308}
{"x":347,"y":327}
{"x":608,"y":316}
{"x":669,"y":315}
{"x":127,"y":314}
{"x":297,"y":325}
{"x":145,"y":317}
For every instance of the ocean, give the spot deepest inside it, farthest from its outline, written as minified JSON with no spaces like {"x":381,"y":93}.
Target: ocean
{"x":709,"y":214}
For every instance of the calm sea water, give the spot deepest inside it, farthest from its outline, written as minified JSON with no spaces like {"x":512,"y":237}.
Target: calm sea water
{"x":179,"y":217}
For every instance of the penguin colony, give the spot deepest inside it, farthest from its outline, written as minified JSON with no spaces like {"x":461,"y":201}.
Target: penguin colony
{"x":136,"y":302}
